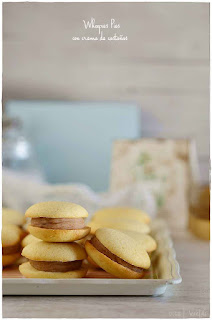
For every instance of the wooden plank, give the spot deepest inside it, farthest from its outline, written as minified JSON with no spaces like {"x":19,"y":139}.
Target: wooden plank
{"x":179,"y":117}
{"x":70,"y":76}
{"x":174,"y":116}
{"x":156,"y":31}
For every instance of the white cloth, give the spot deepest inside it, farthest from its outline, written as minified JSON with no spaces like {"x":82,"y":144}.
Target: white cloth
{"x":21,"y":191}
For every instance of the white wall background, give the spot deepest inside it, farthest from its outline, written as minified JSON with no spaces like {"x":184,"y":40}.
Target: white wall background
{"x":164,"y":65}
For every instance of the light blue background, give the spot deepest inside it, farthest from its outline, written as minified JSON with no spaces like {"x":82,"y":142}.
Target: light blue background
{"x":73,"y":140}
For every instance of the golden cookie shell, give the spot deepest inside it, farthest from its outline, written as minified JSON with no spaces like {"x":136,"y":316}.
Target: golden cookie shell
{"x":28,"y":240}
{"x":109,"y":265}
{"x":10,"y":235}
{"x":145,"y":241}
{"x":29,"y":272}
{"x":56,"y":209}
{"x":9,"y":259}
{"x":48,"y":251}
{"x":92,"y":263}
{"x":50,"y":235}
{"x":10,"y":216}
{"x":122,"y":213}
{"x":120,"y":224}
{"x":124,"y":247}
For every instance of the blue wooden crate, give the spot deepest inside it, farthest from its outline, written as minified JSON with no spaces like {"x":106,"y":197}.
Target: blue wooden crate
{"x":73,"y":140}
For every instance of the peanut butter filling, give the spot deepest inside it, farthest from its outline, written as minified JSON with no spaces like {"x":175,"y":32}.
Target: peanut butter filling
{"x":56,"y":266}
{"x":101,"y":248}
{"x":11,"y":249}
{"x":58,"y":223}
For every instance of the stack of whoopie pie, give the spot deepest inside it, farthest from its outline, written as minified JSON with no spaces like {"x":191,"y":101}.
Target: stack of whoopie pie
{"x":11,"y":244}
{"x":12,"y":234}
{"x":51,"y":249}
{"x":14,"y":217}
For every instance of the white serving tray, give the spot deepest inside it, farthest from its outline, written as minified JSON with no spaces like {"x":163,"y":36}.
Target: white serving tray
{"x":165,"y":270}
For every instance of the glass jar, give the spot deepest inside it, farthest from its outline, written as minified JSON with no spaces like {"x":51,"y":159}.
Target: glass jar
{"x":199,"y":218}
{"x":17,"y":152}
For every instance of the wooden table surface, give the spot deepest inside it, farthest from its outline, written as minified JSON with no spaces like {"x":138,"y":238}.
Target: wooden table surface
{"x":190,"y":299}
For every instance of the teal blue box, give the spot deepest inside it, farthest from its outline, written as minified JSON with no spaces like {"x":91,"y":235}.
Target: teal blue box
{"x":73,"y":140}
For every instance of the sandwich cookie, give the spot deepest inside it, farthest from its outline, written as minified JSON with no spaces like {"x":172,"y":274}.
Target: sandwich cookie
{"x":10,"y":216}
{"x":53,"y":260}
{"x":92,"y":263}
{"x":118,"y":254}
{"x":11,"y":246}
{"x":121,"y":213}
{"x":145,"y":241}
{"x":120,"y":224}
{"x":57,"y":221}
{"x":29,"y":239}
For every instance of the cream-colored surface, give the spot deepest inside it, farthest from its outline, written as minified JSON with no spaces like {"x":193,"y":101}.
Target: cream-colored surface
{"x":10,"y":216}
{"x":56,"y":209}
{"x":121,"y":213}
{"x":144,"y":240}
{"x":46,"y":251}
{"x":50,"y":235}
{"x":10,"y":235}
{"x":29,"y":239}
{"x":124,"y":247}
{"x":109,"y":265}
{"x":9,"y":259}
{"x":29,"y":272}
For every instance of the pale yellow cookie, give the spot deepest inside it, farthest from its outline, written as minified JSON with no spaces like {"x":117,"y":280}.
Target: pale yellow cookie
{"x":92,"y":263}
{"x":57,"y":221}
{"x":50,"y":235}
{"x":10,"y":216}
{"x":118,"y":254}
{"x":46,"y":251}
{"x":109,"y":265}
{"x":120,"y":224}
{"x":10,"y":259}
{"x":145,"y":241}
{"x":124,"y":247}
{"x":53,"y":260}
{"x":29,"y":239}
{"x":56,"y":209}
{"x":29,"y":271}
{"x":122,"y":213}
{"x":11,"y":236}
